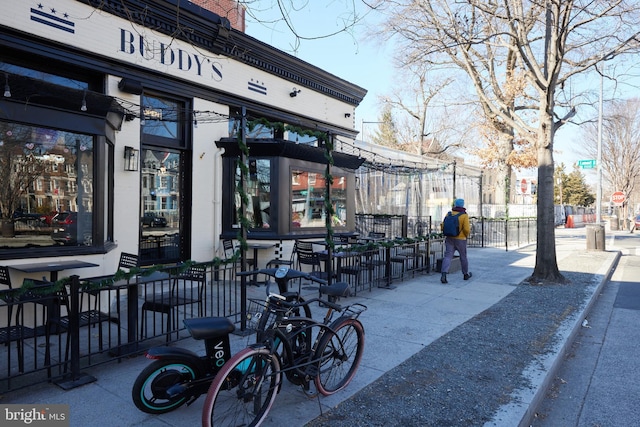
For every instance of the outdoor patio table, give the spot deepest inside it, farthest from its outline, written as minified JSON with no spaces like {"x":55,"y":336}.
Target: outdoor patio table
{"x":53,"y":267}
{"x":256,"y":246}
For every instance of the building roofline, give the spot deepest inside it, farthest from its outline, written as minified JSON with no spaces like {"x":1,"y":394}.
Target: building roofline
{"x":206,"y":30}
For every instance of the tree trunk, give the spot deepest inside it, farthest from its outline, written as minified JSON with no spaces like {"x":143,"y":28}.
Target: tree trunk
{"x":8,"y":228}
{"x":546,"y":263}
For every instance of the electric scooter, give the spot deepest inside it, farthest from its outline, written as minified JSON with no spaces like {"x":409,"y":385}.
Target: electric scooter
{"x":179,"y":376}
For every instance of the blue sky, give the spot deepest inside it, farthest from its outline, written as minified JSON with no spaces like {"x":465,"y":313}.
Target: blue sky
{"x":348,"y":56}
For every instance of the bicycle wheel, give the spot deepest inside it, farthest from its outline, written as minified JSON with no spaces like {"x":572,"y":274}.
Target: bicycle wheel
{"x":243,"y":390}
{"x":339,"y":354}
{"x":151,"y":391}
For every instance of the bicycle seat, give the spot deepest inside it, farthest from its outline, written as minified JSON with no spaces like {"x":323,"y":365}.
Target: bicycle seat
{"x":208,"y":327}
{"x":339,"y":289}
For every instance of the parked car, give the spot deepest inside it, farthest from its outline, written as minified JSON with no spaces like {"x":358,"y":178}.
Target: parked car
{"x":637,"y":225}
{"x":151,"y":219}
{"x":20,"y":215}
{"x":65,"y":229}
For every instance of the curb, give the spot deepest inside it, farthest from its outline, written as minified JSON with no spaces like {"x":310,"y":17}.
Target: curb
{"x":558,"y":356}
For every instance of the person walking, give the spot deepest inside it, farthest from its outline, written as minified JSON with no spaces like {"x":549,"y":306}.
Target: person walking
{"x":457,"y":243}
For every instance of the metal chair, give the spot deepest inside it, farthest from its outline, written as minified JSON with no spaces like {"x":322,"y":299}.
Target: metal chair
{"x":91,"y":287}
{"x":277,"y":262}
{"x":15,"y":329}
{"x":307,"y":257}
{"x":168,"y":303}
{"x":229,"y":249}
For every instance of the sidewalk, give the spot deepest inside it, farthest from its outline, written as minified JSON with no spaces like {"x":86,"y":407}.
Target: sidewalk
{"x":399,"y":324}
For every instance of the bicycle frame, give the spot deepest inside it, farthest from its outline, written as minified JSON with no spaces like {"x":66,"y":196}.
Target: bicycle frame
{"x":283,"y":335}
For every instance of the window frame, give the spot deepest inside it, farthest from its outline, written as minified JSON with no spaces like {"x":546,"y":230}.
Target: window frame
{"x":102,"y":162}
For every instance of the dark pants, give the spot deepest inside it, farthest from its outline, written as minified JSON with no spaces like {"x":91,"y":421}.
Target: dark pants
{"x":452,"y":245}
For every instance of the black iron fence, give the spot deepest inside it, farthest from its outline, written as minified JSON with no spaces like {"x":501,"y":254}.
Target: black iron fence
{"x":49,"y":332}
{"x":506,"y":233}
{"x":393,"y":226}
{"x":160,"y":248}
{"x":485,"y":232}
{"x":54,"y":336}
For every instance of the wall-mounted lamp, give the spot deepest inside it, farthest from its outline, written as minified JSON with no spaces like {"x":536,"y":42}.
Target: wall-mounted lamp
{"x":294,"y":92}
{"x":7,"y":89}
{"x":347,"y":115}
{"x":131,"y":159}
{"x":83,"y":107}
{"x":131,"y":86}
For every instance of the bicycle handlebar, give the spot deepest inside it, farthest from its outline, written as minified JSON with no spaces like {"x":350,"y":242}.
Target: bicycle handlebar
{"x":294,"y":304}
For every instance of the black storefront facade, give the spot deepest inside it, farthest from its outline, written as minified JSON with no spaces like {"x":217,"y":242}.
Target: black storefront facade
{"x":125,"y":119}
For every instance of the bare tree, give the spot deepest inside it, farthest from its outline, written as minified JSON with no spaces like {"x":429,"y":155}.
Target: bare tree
{"x":412,"y":97}
{"x":518,"y":54}
{"x":347,"y":14}
{"x":620,"y":147}
{"x":19,"y":169}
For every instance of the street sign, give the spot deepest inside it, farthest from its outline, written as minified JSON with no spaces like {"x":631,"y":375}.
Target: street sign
{"x":618,"y":198}
{"x":587,"y":164}
{"x":523,"y":186}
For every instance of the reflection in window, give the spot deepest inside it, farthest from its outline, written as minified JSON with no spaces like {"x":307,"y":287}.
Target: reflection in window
{"x":258,"y":192}
{"x":160,"y":199}
{"x":160,"y":116}
{"x":47,"y":186}
{"x":308,"y":190}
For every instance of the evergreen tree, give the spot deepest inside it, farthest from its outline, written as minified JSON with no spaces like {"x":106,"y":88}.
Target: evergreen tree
{"x":575,"y":190}
{"x":386,"y":133}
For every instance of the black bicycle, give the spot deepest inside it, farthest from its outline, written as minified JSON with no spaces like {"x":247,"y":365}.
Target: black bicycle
{"x":326,"y":353}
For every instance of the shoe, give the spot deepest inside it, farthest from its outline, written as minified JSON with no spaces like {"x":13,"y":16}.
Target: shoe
{"x":468,"y":276}
{"x":443,"y":278}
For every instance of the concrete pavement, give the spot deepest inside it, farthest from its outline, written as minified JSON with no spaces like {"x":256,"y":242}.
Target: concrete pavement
{"x":398,"y":323}
{"x":597,"y":383}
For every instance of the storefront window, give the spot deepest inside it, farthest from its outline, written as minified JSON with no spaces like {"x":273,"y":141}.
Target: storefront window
{"x":160,"y":217}
{"x":46,"y":195}
{"x":258,"y":192}
{"x":308,"y":190}
{"x":161,"y":117}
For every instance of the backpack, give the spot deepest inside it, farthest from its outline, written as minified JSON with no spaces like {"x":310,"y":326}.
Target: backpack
{"x":451,"y":225}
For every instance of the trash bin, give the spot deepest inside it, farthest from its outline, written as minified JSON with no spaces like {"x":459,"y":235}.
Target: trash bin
{"x":595,"y":237}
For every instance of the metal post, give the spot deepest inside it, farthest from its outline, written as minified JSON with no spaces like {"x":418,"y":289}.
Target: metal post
{"x":74,"y":378}
{"x":243,"y":229}
{"x":599,"y":158}
{"x":327,"y":216}
{"x":454,"y":180}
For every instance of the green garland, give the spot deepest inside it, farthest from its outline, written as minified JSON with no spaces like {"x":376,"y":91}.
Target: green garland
{"x":121,"y":275}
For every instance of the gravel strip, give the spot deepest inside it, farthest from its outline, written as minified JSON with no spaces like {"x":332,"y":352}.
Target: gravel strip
{"x":463,"y":378}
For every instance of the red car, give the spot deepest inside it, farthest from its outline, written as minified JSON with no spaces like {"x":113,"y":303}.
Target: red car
{"x":637,"y":222}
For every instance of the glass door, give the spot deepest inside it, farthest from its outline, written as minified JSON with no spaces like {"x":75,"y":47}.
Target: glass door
{"x":161,"y":228}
